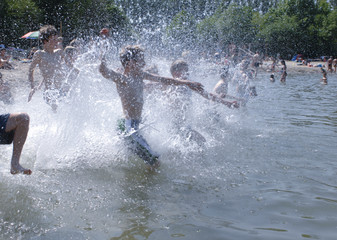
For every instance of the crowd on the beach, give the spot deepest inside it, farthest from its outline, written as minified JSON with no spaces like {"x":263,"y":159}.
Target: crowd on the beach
{"x":59,"y":74}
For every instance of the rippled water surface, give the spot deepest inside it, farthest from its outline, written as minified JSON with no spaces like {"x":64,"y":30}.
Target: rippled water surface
{"x":268,"y":171}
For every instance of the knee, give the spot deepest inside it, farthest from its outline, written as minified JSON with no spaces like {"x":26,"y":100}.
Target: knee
{"x":24,"y":119}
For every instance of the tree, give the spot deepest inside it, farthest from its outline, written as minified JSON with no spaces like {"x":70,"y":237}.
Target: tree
{"x":19,"y":17}
{"x":228,"y":25}
{"x":181,"y":32}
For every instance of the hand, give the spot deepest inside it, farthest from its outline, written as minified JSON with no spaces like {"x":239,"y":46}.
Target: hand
{"x":196,"y":86}
{"x":31,"y":94}
{"x":234,"y":104}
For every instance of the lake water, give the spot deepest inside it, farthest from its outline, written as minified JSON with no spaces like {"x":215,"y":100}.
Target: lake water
{"x":267,"y":171}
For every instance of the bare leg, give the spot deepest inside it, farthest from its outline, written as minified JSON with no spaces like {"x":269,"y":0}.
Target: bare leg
{"x":19,"y":122}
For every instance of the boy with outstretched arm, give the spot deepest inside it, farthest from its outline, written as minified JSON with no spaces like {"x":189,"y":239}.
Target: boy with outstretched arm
{"x":130,"y":87}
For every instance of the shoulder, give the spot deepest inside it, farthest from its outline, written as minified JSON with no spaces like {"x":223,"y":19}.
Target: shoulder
{"x":39,"y":52}
{"x":37,"y":55}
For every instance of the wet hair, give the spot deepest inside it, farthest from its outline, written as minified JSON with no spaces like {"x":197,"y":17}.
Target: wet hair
{"x":178,"y":66}
{"x":131,"y":53}
{"x":47,"y":31}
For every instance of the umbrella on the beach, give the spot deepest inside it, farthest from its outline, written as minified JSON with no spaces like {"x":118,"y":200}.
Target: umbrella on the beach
{"x":32,"y":35}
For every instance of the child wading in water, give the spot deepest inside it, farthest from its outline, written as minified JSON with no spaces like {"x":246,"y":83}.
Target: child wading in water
{"x":324,"y":80}
{"x":283,"y":72}
{"x":50,"y":63}
{"x":130,"y":87}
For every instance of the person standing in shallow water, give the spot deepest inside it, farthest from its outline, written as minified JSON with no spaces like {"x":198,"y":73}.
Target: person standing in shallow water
{"x":130,"y":87}
{"x":334,"y":65}
{"x":50,"y":63}
{"x":14,"y":129}
{"x":283,"y":71}
{"x":324,"y":79}
{"x":330,"y":60}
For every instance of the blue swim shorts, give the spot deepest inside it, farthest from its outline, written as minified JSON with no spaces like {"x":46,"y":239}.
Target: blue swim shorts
{"x":5,"y":137}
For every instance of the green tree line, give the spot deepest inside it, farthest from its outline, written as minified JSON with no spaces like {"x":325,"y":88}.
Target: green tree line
{"x":286,"y":27}
{"x":274,"y":26}
{"x":73,"y":18}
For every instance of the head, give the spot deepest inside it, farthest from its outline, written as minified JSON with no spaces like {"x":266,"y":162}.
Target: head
{"x":49,"y":35}
{"x":244,"y":64}
{"x":2,"y":51}
{"x":179,"y":69}
{"x":104,"y":33}
{"x":132,"y":56}
{"x":283,"y":62}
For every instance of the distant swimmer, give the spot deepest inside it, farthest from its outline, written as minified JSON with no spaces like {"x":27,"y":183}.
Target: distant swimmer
{"x":130,"y":87}
{"x":4,"y":60}
{"x":14,"y":129}
{"x":334,"y":64}
{"x":324,"y":79}
{"x":283,"y":71}
{"x":256,"y":62}
{"x":50,"y":61}
{"x":330,"y":61}
{"x":272,"y":77}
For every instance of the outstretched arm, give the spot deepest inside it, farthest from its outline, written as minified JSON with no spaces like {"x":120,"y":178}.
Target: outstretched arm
{"x":195,"y":86}
{"x":110,"y":74}
{"x":215,"y":98}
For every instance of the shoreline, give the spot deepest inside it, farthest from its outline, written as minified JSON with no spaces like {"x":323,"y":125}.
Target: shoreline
{"x":296,"y":67}
{"x":19,"y":75}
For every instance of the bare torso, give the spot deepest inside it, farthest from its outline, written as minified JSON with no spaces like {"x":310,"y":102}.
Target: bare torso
{"x":50,"y":65}
{"x":131,"y":91}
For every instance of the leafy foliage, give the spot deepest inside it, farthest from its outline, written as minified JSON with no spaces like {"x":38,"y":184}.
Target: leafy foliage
{"x":274,"y":26}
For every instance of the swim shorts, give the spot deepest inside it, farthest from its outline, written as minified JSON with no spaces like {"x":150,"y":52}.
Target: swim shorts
{"x":130,"y":129}
{"x":5,"y":137}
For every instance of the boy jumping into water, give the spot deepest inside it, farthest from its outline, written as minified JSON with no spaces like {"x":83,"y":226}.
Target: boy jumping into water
{"x":14,"y":129}
{"x":130,"y":87}
{"x":49,"y":60}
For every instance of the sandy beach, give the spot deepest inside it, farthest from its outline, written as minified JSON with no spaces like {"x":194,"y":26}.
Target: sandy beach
{"x":296,"y":67}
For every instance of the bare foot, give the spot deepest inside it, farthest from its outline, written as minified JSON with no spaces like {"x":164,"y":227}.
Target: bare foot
{"x":22,"y":170}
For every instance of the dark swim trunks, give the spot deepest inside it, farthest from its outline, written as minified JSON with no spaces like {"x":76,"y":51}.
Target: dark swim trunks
{"x":130,"y":130}
{"x":5,"y":137}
